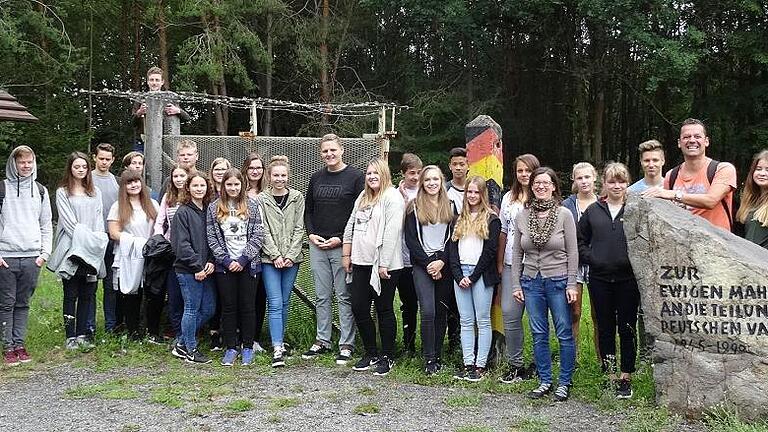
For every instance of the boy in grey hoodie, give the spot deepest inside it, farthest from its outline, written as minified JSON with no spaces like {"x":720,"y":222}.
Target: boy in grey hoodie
{"x":25,"y":245}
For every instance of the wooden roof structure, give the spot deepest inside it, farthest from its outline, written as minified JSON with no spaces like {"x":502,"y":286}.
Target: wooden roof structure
{"x":11,"y":110}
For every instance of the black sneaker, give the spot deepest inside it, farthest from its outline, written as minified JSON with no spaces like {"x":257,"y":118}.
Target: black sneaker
{"x":315,"y":350}
{"x":432,"y":367}
{"x":540,"y":391}
{"x":515,"y":374}
{"x":345,"y":355}
{"x":476,"y":374}
{"x":561,"y":393}
{"x":197,"y":357}
{"x":365,"y":363}
{"x":155,"y":340}
{"x":624,"y":389}
{"x":277,"y":359}
{"x":216,"y":344}
{"x":461,"y":374}
{"x":179,"y":351}
{"x":383,"y":366}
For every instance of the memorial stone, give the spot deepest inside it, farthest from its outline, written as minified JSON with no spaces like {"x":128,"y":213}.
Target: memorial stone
{"x":705,"y":296}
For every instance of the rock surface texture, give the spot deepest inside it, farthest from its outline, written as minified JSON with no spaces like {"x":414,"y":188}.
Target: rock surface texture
{"x":705,"y":300}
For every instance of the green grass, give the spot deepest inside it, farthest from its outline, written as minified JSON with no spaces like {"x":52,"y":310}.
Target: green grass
{"x":722,"y":420}
{"x":473,"y":429}
{"x":367,"y":409}
{"x":240,"y":405}
{"x":115,"y":389}
{"x":530,"y":424}
{"x":464,"y":400}
{"x":281,"y":403}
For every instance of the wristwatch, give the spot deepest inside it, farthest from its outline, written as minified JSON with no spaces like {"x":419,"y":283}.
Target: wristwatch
{"x":679,"y":196}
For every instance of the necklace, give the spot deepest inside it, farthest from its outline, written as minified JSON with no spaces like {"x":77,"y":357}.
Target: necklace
{"x":280,"y":200}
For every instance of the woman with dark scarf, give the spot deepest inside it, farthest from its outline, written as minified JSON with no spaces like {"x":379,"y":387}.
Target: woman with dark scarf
{"x":546,"y":235}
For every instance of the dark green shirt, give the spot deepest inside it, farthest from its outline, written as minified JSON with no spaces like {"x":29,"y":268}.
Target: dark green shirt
{"x":755,"y":231}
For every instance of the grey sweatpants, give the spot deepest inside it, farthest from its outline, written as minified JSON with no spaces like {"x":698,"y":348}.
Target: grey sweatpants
{"x":329,"y":276}
{"x":512,"y":311}
{"x":17,"y":284}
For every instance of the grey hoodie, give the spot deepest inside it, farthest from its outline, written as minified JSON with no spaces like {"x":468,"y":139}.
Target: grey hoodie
{"x":25,"y":221}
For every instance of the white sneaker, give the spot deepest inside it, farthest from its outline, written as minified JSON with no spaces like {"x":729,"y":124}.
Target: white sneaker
{"x":72,"y":344}
{"x":258,"y":348}
{"x":344,"y":356}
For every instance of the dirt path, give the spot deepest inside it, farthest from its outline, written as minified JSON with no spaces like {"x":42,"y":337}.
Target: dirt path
{"x":299,"y":398}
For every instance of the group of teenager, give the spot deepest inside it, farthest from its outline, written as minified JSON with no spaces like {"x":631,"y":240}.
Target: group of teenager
{"x":235,"y":239}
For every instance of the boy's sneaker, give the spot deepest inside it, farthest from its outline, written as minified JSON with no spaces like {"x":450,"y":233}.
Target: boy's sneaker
{"x":383,"y":366}
{"x":179,"y":350}
{"x":345,"y":355}
{"x":216,"y":344}
{"x":461,"y":374}
{"x":230,"y":355}
{"x":365,"y":363}
{"x":624,"y":389}
{"x":515,"y":374}
{"x":432,"y":367}
{"x":277,"y":358}
{"x":246,"y":357}
{"x":10,"y":358}
{"x":23,"y":355}
{"x":197,"y":357}
{"x":540,"y":391}
{"x":561,"y":393}
{"x":84,"y":344}
{"x":155,"y":340}
{"x":287,"y":350}
{"x":257,"y":348}
{"x":315,"y":350}
{"x":475,"y":375}
{"x":72,"y":344}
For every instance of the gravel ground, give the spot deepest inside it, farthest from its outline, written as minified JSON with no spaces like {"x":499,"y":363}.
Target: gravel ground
{"x":322,"y":398}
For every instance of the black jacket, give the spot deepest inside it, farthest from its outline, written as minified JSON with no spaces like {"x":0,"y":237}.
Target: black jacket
{"x":486,"y":265}
{"x":189,"y":240}
{"x":158,"y":260}
{"x":412,"y":232}
{"x":602,"y":244}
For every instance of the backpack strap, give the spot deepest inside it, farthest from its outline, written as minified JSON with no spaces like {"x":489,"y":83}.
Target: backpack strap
{"x":40,"y":189}
{"x":673,"y":176}
{"x":711,"y":171}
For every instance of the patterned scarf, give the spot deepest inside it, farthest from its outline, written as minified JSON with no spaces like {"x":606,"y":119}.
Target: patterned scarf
{"x":540,"y":230}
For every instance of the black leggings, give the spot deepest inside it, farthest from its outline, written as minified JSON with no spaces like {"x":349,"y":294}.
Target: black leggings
{"x":362,"y":294}
{"x":433,"y":308}
{"x":129,"y":306}
{"x":409,"y":307}
{"x":237,"y":295}
{"x":153,"y":309}
{"x":78,"y":295}
{"x":615,"y":306}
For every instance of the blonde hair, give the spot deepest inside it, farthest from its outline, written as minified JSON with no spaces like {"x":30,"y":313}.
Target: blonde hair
{"x":427,"y":212}
{"x":753,"y":197}
{"x":370,"y":196}
{"x":468,"y":224}
{"x":580,"y":166}
{"x":331,"y":138}
{"x":615,"y":170}
{"x":278,"y":160}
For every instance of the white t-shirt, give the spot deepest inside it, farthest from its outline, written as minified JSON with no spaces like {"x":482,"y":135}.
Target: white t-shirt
{"x":410,"y":194}
{"x":139,"y":226}
{"x":456,"y":195}
{"x":508,"y":213}
{"x":470,"y":249}
{"x":235,"y":232}
{"x":367,"y":221}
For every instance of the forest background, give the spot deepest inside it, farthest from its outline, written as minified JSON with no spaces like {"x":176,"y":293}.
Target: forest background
{"x":567,"y":80}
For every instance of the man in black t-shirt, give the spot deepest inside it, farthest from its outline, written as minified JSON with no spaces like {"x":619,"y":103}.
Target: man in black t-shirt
{"x":330,"y":197}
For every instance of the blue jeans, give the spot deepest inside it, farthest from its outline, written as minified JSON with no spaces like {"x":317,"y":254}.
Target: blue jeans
{"x":278,"y":283}
{"x":199,"y":306}
{"x":474,"y":305}
{"x":543,"y":295}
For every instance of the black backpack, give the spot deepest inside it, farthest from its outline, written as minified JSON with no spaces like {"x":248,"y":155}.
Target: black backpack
{"x":40,"y":188}
{"x":711,"y":170}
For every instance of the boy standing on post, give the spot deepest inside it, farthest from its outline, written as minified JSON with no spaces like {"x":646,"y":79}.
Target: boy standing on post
{"x":25,"y":244}
{"x":155,"y":83}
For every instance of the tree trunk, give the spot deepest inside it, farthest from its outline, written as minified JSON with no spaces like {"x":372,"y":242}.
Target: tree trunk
{"x":597,"y":127}
{"x":268,"y":78}
{"x":325,"y":92}
{"x":163,"y":44}
{"x":136,"y":69}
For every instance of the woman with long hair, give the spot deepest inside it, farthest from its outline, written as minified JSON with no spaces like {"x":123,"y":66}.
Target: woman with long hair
{"x":219,"y":166}
{"x":173,"y":197}
{"x":472,"y":256}
{"x":584,"y":177}
{"x":753,"y":212}
{"x":235,"y":236}
{"x":612,"y":285}
{"x":130,"y":222}
{"x":372,"y":253}
{"x":281,"y":254}
{"x":546,"y":235}
{"x":193,"y":266}
{"x":512,"y":311}
{"x":80,"y":215}
{"x":427,"y":230}
{"x":253,"y":173}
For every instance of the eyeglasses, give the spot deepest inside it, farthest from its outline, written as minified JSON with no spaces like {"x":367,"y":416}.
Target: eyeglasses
{"x":255,"y":168}
{"x":542,"y":183}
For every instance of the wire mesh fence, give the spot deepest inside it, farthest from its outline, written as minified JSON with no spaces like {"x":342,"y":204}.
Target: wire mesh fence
{"x":304,"y":156}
